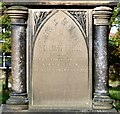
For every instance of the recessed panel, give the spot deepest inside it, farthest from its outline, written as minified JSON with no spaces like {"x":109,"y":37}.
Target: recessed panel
{"x":60,"y":64}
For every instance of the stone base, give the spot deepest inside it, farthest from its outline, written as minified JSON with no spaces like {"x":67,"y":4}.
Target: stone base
{"x":6,"y":111}
{"x":102,"y":102}
{"x":17,"y":102}
{"x":17,"y":107}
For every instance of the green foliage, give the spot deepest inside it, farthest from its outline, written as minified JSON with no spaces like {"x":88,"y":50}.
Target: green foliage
{"x":115,"y":94}
{"x":114,"y":73}
{"x":5,"y":21}
{"x":6,"y":31}
{"x":1,"y":6}
{"x":4,"y":96}
{"x":116,"y":12}
{"x":114,"y":41}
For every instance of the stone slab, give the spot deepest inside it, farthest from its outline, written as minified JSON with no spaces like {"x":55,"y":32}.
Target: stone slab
{"x":60,"y":64}
{"x":62,"y":2}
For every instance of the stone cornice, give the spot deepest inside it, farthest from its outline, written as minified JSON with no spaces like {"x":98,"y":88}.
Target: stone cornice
{"x":61,"y":2}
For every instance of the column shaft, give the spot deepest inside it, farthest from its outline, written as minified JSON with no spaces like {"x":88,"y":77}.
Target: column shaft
{"x":18,"y":98}
{"x":101,"y":59}
{"x":19,"y":58}
{"x":101,"y":98}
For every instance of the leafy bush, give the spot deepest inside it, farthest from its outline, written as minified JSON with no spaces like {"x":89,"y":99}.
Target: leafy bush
{"x":5,"y":30}
{"x":114,"y":46}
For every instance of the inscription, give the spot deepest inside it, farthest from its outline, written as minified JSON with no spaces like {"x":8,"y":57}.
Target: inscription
{"x":55,"y":22}
{"x":57,"y":59}
{"x":59,"y":54}
{"x":47,"y":32}
{"x":71,"y":28}
{"x":64,"y":21}
{"x":59,"y":48}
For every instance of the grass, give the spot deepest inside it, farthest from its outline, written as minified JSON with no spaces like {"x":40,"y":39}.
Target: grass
{"x":115,"y":94}
{"x":4,"y":97}
{"x":4,"y":94}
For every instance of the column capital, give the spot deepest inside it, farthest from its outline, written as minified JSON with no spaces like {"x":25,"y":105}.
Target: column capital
{"x":102,"y":15}
{"x":17,"y":12}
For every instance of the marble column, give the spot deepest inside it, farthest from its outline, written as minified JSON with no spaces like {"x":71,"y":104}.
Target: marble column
{"x":18,"y":98}
{"x":101,"y":98}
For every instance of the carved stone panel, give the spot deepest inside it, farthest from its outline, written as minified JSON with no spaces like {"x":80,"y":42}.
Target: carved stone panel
{"x":60,"y":61}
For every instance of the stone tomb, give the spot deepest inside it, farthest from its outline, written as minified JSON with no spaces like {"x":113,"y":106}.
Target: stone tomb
{"x":63,"y":56}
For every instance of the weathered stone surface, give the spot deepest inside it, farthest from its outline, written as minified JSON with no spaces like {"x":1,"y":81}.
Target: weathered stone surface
{"x":60,"y":64}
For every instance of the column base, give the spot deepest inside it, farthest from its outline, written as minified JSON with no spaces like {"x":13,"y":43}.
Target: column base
{"x":101,"y":102}
{"x":17,"y":101}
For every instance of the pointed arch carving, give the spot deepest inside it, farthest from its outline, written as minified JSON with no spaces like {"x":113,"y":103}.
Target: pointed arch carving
{"x":41,"y":17}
